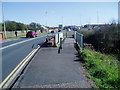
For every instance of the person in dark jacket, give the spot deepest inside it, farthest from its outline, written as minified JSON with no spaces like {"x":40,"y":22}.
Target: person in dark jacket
{"x":16,"y":33}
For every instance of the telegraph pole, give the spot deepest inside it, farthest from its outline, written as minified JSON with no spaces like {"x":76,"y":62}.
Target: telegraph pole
{"x":80,"y":20}
{"x":46,"y":18}
{"x":97,"y":17}
{"x":4,"y":22}
{"x":62,"y":20}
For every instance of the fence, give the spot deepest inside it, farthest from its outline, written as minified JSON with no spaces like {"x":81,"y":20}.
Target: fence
{"x":1,"y":36}
{"x":79,"y":38}
{"x":12,"y":33}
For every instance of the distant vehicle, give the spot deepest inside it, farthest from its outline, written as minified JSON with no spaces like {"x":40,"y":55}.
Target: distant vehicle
{"x":68,"y":29}
{"x":52,"y":31}
{"x":31,"y":34}
{"x":59,"y":30}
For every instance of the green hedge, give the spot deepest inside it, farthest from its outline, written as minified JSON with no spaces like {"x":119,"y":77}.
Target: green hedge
{"x":106,"y":39}
{"x":103,"y":69}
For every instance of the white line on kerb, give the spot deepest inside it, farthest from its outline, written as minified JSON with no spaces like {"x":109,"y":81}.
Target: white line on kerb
{"x":18,"y":43}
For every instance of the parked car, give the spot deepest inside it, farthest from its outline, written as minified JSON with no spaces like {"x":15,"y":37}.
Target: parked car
{"x":53,"y":31}
{"x":59,"y":30}
{"x":31,"y":34}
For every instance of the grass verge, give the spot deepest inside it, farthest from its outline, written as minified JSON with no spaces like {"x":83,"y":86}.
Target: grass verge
{"x":14,"y":36}
{"x":42,"y":33}
{"x":24,"y":35}
{"x":102,"y":69}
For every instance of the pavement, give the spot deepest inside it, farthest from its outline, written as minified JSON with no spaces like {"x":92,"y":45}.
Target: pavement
{"x":50,"y":69}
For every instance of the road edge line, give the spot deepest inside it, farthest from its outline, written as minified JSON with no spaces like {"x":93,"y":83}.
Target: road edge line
{"x":10,"y":78}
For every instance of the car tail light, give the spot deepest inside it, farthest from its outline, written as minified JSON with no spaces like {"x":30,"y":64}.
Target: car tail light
{"x":29,"y":33}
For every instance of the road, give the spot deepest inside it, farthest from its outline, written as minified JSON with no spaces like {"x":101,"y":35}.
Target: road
{"x":13,"y":52}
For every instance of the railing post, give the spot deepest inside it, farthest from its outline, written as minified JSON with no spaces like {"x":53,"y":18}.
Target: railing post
{"x":81,"y":41}
{"x":58,"y":38}
{"x":75,"y":35}
{"x":66,"y":34}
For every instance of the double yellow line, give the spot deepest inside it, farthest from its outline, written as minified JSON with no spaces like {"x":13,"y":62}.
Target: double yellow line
{"x":13,"y":75}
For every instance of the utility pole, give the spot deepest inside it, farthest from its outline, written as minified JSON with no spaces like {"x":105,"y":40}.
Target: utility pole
{"x":118,"y":12}
{"x":89,"y":20}
{"x":80,"y":20}
{"x":4,"y":22}
{"x":46,"y":17}
{"x":97,"y":17}
{"x":62,"y":20}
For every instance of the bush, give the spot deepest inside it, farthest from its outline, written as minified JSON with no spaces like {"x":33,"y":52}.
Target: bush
{"x":106,"y":39}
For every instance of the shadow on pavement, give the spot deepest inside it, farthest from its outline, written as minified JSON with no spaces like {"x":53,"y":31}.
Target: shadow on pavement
{"x":23,"y":37}
{"x":79,"y":59}
{"x":46,"y":45}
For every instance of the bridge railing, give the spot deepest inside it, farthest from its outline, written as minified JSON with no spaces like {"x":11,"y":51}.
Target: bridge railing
{"x":79,"y":39}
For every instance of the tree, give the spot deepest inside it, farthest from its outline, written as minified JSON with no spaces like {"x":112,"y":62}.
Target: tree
{"x":10,"y":25}
{"x":0,"y":27}
{"x":20,"y":26}
{"x":33,"y":24}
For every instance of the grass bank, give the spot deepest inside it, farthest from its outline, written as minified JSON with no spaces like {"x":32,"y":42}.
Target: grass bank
{"x":24,"y":35}
{"x":15,"y":36}
{"x":102,"y":69}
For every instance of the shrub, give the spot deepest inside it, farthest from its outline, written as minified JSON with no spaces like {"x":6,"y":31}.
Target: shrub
{"x":106,"y":40}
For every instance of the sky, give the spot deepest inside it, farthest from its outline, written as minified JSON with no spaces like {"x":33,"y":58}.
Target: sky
{"x":66,"y":13}
{"x":0,"y":12}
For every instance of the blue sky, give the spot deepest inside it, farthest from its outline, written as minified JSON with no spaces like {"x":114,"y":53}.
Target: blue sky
{"x":0,"y":12}
{"x":66,"y":13}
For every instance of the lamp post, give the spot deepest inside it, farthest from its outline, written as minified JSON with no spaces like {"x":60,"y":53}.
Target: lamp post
{"x":97,"y":18}
{"x":46,"y":18}
{"x":62,"y":20}
{"x":4,"y":23}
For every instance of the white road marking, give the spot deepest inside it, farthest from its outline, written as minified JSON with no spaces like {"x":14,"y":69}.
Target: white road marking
{"x":19,"y":43}
{"x":11,"y":77}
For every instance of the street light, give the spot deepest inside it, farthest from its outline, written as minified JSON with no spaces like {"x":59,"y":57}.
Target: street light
{"x":4,"y":22}
{"x":46,"y":18}
{"x":62,"y":20}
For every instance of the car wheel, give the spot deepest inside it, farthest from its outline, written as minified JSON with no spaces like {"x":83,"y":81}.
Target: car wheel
{"x":33,"y":36}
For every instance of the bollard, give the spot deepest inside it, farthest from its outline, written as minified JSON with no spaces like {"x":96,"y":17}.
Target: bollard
{"x":59,"y":50}
{"x":60,"y":43}
{"x":75,"y":36}
{"x":66,"y":34}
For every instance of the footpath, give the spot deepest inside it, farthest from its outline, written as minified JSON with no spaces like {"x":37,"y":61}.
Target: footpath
{"x":50,"y":69}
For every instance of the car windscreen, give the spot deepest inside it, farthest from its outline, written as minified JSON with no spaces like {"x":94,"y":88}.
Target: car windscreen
{"x":31,"y":32}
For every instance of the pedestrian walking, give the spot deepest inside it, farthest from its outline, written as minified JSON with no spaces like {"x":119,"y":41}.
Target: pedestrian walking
{"x":16,"y":33}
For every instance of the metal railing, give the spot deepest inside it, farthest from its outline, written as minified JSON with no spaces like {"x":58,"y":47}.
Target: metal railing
{"x":79,"y":38}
